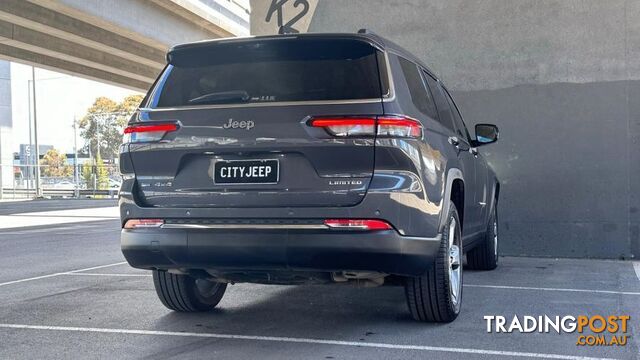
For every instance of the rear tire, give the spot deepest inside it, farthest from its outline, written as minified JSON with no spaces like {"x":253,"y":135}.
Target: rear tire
{"x":436,"y":296}
{"x":485,"y":255}
{"x":184,"y":293}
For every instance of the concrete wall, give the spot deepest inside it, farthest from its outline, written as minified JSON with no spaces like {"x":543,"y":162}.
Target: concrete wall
{"x":560,"y":79}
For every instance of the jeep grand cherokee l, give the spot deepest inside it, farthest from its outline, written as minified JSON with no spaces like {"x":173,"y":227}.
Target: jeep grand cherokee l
{"x":307,"y":158}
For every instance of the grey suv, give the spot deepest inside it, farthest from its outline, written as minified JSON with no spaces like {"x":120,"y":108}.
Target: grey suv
{"x":305,"y":159}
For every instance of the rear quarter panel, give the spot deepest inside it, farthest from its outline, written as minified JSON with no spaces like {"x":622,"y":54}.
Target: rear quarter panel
{"x":432,"y":158}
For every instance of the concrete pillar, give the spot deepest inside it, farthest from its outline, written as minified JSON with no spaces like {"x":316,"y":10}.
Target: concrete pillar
{"x":6,"y":124}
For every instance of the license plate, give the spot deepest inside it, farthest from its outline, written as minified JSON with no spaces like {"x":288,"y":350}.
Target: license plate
{"x":246,"y":172}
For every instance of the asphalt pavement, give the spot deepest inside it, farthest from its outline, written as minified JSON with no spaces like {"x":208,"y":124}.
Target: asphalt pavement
{"x":66,"y":292}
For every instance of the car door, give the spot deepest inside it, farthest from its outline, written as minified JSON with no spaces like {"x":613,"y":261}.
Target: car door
{"x":481,"y":189}
{"x":466,"y":158}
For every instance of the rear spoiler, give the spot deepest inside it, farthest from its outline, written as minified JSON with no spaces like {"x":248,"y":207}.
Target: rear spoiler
{"x":369,"y":37}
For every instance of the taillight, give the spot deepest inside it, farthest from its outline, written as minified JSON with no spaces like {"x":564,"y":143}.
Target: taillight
{"x":357,"y":224}
{"x":399,"y":127}
{"x":143,"y":223}
{"x":147,"y":132}
{"x":384,"y":126}
{"x":347,"y":126}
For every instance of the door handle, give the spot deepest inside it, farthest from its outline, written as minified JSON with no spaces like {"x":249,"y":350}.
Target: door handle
{"x":453,"y":140}
{"x":474,"y":151}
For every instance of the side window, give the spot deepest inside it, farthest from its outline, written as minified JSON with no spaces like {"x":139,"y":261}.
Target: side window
{"x":420,"y":96}
{"x":461,"y":129}
{"x":446,"y":117}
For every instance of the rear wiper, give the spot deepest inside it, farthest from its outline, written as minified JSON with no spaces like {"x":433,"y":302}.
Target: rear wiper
{"x":221,"y":96}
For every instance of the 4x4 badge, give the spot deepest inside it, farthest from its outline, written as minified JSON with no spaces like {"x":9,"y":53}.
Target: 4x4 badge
{"x":239,"y":124}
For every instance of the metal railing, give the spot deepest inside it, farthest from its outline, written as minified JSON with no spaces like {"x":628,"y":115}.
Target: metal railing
{"x":67,"y":181}
{"x":11,"y":193}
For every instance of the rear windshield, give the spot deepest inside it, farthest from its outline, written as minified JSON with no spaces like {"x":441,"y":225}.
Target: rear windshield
{"x":269,"y":71}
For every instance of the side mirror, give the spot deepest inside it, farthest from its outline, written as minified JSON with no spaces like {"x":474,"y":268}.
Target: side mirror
{"x":486,"y":134}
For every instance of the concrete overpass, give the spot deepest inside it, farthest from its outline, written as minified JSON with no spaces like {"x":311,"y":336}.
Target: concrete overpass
{"x":122,"y":42}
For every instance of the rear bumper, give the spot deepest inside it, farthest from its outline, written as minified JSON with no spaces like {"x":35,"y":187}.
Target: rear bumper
{"x":278,"y":249}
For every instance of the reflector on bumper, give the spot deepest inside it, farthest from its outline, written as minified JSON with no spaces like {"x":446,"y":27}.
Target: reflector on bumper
{"x":357,"y":224}
{"x":143,"y":223}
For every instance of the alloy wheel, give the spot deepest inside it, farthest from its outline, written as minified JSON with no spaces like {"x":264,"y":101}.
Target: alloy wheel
{"x":455,"y":264}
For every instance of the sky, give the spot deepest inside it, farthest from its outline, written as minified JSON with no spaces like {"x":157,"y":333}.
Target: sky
{"x":60,"y":98}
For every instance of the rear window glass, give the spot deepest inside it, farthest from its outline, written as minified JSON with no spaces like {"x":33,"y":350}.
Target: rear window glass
{"x":269,"y":71}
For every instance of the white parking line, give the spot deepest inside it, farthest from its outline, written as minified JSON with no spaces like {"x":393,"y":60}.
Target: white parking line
{"x":553,"y":289}
{"x":107,"y":274}
{"x":296,"y":340}
{"x":95,"y":267}
{"x":60,"y":273}
{"x":82,"y":272}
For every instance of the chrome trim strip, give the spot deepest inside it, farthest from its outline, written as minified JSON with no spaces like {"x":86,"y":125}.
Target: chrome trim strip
{"x":245,"y":226}
{"x":262,"y":104}
{"x":347,"y":227}
{"x":392,"y":93}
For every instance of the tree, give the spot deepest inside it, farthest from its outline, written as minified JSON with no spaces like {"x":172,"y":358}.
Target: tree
{"x":87,"y":174}
{"x":54,"y":164}
{"x":102,"y":174}
{"x":129,"y":104}
{"x":101,"y":127}
{"x":95,"y":174}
